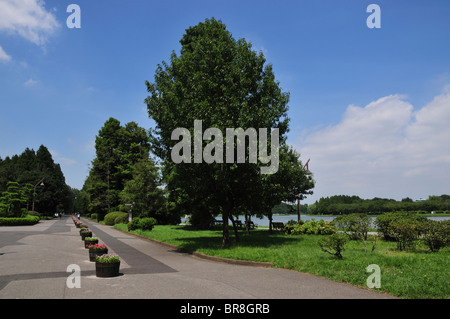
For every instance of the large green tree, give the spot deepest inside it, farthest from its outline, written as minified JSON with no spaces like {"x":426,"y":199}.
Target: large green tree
{"x":145,"y":193}
{"x":118,"y":148}
{"x":225,"y":84}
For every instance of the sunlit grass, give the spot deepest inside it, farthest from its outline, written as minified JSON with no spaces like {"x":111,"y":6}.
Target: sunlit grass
{"x":415,"y":274}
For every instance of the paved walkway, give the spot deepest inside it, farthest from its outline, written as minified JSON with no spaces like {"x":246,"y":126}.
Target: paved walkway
{"x":34,"y":261}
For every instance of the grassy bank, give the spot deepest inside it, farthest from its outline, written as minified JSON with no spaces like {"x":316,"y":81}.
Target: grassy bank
{"x":416,"y":274}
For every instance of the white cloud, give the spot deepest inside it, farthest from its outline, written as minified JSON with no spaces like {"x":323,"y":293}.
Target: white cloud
{"x":4,"y":57}
{"x":385,"y":149}
{"x":30,"y":82}
{"x":27,"y":18}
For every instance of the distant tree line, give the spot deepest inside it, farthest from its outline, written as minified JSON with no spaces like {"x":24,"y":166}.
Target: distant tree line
{"x":21,"y":177}
{"x":343,"y":204}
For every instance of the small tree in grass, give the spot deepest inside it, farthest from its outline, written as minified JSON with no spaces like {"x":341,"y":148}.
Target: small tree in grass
{"x":333,"y":244}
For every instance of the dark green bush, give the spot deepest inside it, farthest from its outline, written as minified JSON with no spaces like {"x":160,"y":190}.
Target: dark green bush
{"x":310,"y":227}
{"x":147,"y":223}
{"x":134,"y":224}
{"x":383,"y":223}
{"x":110,"y":218}
{"x":405,"y":231}
{"x":121,"y":219}
{"x":19,"y":221}
{"x":436,"y":234}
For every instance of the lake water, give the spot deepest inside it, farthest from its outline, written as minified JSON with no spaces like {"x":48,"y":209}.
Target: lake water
{"x":285,"y":218}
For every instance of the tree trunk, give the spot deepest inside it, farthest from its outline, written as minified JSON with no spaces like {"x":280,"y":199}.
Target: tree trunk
{"x":235,"y":228}
{"x":226,"y":233}
{"x":247,"y":224}
{"x":270,"y":222}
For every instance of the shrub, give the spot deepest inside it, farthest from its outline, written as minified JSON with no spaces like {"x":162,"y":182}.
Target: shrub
{"x":110,"y":218}
{"x":121,"y":219}
{"x":311,"y":227}
{"x":333,"y":244}
{"x":134,"y":224}
{"x":437,"y":234}
{"x":17,"y":221}
{"x":147,"y":223}
{"x":405,"y":231}
{"x":383,"y":223}
{"x":94,"y":216}
{"x":356,"y":226}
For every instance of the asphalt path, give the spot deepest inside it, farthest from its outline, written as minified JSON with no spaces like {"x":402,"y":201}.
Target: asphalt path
{"x":38,"y":262}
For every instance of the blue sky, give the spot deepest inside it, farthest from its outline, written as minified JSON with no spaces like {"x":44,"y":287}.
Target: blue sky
{"x":370,"y":107}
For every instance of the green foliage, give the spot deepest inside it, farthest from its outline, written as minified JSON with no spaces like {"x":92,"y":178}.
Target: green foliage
{"x":26,"y":170}
{"x":134,"y":224}
{"x":333,"y":244}
{"x":107,"y":259}
{"x":146,"y":223}
{"x":356,"y":226}
{"x":310,"y":227}
{"x":384,"y":223}
{"x":14,"y":199}
{"x":110,"y":219}
{"x":436,"y":234}
{"x":17,"y":221}
{"x":405,"y":231}
{"x":121,"y":219}
{"x":118,"y":149}
{"x":402,"y":227}
{"x":226,"y":84}
{"x":144,"y":191}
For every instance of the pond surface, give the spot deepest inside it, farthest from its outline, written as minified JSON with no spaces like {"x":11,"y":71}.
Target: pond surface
{"x":285,"y":218}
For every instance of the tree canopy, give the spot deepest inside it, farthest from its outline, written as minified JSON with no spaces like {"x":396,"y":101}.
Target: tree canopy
{"x":18,"y":177}
{"x":225,"y":84}
{"x":122,"y":172}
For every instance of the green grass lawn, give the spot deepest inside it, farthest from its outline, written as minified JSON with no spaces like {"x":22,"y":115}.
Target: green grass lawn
{"x":415,"y":274}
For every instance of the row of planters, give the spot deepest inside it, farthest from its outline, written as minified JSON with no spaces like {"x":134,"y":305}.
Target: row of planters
{"x":106,"y":265}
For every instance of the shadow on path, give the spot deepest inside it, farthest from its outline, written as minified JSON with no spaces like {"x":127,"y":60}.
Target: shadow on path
{"x":139,"y":262}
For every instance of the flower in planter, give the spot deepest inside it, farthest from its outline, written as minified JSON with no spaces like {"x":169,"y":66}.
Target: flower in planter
{"x":86,"y":233}
{"x":107,"y":265}
{"x":96,"y":250}
{"x":91,"y":239}
{"x":107,"y":259}
{"x":97,"y":247}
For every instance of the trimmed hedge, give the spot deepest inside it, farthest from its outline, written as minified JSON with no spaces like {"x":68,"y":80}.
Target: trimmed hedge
{"x":19,"y":221}
{"x":145,"y":223}
{"x":110,"y":219}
